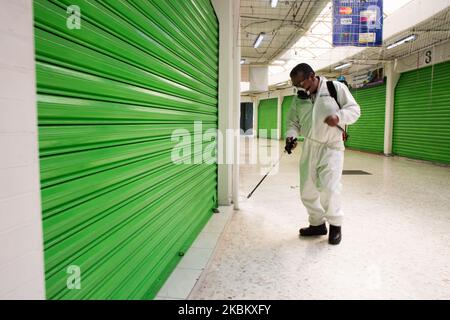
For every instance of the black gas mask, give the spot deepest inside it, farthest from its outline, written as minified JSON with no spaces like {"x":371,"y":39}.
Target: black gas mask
{"x":302,"y":94}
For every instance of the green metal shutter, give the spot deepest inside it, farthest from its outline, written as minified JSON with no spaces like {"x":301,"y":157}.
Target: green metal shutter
{"x":422,"y":114}
{"x":267,"y":118}
{"x":285,"y":106}
{"x":367,"y":133}
{"x":110,"y":96}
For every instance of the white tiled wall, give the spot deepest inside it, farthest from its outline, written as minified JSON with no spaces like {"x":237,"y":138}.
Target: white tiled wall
{"x":21,"y":249}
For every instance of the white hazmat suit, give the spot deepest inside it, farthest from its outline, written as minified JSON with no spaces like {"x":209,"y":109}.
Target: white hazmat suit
{"x":322,"y":157}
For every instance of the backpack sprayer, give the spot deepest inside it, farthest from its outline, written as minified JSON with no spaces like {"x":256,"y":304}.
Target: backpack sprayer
{"x":288,"y":150}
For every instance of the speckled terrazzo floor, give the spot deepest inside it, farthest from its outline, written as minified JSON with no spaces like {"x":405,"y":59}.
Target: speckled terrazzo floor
{"x":396,"y":236}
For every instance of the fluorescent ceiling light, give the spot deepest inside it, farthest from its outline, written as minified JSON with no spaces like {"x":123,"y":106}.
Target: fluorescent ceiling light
{"x":242,"y":61}
{"x":402,"y":41}
{"x":343,"y":66}
{"x":259,"y":40}
{"x":273,"y":3}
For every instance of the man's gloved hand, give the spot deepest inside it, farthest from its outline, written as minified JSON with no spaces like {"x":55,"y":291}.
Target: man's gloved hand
{"x":291,"y":144}
{"x":332,"y":121}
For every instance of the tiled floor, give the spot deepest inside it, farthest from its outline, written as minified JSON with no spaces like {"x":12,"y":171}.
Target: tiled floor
{"x":396,"y":236}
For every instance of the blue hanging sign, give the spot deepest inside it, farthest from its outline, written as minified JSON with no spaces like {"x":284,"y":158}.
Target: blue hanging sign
{"x":358,"y":23}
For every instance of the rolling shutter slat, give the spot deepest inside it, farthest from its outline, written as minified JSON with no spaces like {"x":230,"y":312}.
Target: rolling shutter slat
{"x":110,"y":96}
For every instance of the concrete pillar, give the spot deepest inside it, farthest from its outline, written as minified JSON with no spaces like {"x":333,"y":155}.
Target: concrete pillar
{"x":224,"y":12}
{"x":280,"y":101}
{"x":392,"y":80}
{"x":255,"y":116}
{"x":236,"y":99}
{"x":259,"y":78}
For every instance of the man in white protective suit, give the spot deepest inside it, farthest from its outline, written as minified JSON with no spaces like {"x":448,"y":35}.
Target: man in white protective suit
{"x":321,"y":120}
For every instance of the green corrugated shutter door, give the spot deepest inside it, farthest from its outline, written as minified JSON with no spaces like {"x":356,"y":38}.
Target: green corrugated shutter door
{"x":267,"y":118}
{"x":110,"y":95}
{"x":367,"y":133}
{"x":422,"y":114}
{"x":285,"y":106}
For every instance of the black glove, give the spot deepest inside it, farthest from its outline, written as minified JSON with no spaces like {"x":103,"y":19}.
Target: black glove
{"x":290,"y":144}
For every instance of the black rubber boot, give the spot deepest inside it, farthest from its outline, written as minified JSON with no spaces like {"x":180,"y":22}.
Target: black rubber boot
{"x":335,"y":235}
{"x":314,"y":231}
